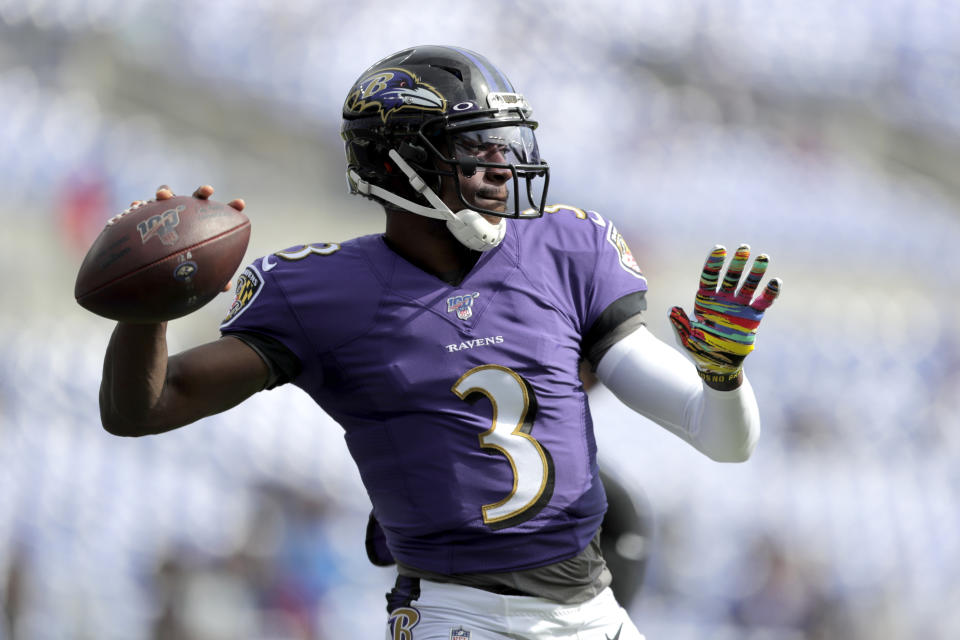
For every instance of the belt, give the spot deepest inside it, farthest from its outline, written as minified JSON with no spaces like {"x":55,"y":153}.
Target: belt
{"x":499,"y":589}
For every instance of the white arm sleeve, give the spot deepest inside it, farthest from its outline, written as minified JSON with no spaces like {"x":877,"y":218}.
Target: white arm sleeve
{"x":658,"y":382}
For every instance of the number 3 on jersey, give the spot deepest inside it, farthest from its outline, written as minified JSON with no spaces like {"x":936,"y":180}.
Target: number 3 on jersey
{"x":514,"y":410}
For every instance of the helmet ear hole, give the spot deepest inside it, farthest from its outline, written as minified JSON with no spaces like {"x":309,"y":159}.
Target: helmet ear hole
{"x":413,"y":153}
{"x":362,"y":151}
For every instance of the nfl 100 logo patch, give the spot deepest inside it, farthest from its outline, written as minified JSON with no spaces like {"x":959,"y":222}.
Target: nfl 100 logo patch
{"x":459,"y":634}
{"x":162,"y":226}
{"x":463,"y":305}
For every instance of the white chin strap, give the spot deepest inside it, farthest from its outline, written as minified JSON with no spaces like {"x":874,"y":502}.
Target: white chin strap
{"x":467,"y":226}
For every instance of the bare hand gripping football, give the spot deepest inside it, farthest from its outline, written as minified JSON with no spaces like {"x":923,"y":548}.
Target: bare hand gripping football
{"x":725,"y":319}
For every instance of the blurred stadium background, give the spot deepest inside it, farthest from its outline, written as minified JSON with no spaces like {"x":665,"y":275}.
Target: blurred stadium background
{"x":826,"y":133}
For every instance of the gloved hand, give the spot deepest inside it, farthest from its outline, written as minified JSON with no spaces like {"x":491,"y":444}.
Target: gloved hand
{"x":725,"y":320}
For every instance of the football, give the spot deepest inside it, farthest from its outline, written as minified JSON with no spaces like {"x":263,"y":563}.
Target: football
{"x":162,"y":259}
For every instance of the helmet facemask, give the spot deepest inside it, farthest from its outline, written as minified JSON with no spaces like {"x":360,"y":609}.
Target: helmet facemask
{"x":464,"y":146}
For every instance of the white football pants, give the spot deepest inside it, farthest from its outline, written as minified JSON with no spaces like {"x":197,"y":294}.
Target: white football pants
{"x":456,"y":612}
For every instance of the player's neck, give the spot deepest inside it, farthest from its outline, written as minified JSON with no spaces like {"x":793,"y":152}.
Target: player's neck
{"x":428,"y":245}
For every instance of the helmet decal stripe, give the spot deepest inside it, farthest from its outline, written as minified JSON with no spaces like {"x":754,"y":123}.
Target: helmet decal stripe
{"x":495,"y":83}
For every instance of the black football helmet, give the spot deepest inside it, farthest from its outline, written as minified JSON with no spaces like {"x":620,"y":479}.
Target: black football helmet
{"x":433,"y":111}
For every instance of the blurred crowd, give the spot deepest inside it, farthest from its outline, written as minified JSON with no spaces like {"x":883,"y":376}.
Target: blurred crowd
{"x":825,"y":133}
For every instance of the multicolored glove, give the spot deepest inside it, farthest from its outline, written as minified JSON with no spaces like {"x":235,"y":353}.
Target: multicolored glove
{"x":725,"y":320}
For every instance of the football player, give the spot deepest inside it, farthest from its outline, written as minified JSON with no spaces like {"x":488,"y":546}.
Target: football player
{"x":448,"y":349}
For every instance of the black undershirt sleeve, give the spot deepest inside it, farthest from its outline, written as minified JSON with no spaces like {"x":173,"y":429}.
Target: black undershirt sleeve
{"x":624,"y":316}
{"x":284,"y":365}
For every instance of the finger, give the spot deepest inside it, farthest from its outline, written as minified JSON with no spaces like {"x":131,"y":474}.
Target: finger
{"x":681,"y":324}
{"x":711,"y":268}
{"x":227,"y":287}
{"x":238,"y":204}
{"x":203,"y":192}
{"x":164,"y":192}
{"x":754,"y":277}
{"x":735,"y":270}
{"x":769,"y":294}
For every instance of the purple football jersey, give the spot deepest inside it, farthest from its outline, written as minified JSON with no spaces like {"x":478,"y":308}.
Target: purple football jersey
{"x":461,"y":405}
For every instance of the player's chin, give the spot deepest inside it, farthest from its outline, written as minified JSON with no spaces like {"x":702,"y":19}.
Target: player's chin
{"x":495,"y":204}
{"x":492,"y":219}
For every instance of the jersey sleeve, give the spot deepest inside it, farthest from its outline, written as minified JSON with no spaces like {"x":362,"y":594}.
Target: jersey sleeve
{"x":616,"y":275}
{"x":261,"y":316}
{"x":579,"y":257}
{"x":615,"y":296}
